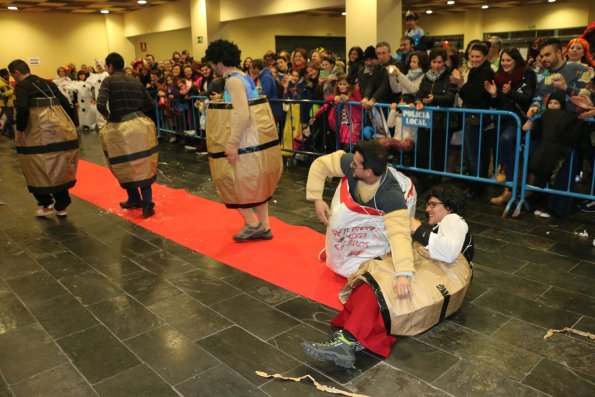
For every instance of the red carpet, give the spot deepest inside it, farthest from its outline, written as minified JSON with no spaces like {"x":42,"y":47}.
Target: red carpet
{"x":289,"y":260}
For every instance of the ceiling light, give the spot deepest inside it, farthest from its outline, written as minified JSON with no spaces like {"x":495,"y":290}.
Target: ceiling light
{"x":104,"y":11}
{"x":551,"y":1}
{"x":13,"y":8}
{"x":344,"y":13}
{"x":485,"y":6}
{"x":450,"y":2}
{"x":142,"y":2}
{"x":429,"y":11}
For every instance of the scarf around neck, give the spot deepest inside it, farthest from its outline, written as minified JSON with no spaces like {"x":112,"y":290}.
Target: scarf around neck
{"x":433,"y":76}
{"x":414,"y":74}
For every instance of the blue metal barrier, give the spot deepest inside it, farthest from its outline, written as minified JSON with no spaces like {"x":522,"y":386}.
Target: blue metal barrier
{"x":298,"y":132}
{"x":305,"y":134}
{"x":184,"y":120}
{"x":569,"y":191}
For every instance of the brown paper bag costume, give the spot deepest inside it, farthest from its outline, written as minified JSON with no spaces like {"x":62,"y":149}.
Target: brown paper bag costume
{"x":50,"y":155}
{"x":438,"y":290}
{"x":131,"y":151}
{"x":252,"y":181}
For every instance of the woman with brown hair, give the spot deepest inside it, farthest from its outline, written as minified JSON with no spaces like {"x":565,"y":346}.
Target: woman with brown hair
{"x":513,"y":89}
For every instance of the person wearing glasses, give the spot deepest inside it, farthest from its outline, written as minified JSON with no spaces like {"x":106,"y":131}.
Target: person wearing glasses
{"x":369,"y":212}
{"x":381,"y":301}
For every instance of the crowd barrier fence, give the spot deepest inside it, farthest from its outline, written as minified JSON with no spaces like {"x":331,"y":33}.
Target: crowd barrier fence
{"x":468,"y":141}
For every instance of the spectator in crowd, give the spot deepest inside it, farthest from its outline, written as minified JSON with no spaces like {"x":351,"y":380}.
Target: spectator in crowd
{"x":414,"y":31}
{"x":494,"y":52}
{"x":312,"y":80}
{"x":327,"y":77}
{"x":474,"y":96}
{"x":299,"y":58}
{"x":407,"y":83}
{"x":315,"y":55}
{"x":572,"y":78}
{"x":246,"y":65}
{"x":207,"y":78}
{"x":270,"y":58}
{"x":150,"y":61}
{"x":378,"y":88}
{"x":6,"y":103}
{"x":282,"y":66}
{"x":406,"y":48}
{"x":355,"y":62}
{"x":578,"y":51}
{"x":349,"y":116}
{"x":513,"y":90}
{"x":435,"y":89}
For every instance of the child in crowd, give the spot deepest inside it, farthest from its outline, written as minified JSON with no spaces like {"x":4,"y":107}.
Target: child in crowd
{"x":294,"y":87}
{"x":414,"y":31}
{"x":350,"y":116}
{"x":559,"y":132}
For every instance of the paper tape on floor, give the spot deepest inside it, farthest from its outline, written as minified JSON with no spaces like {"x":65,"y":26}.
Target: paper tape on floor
{"x":289,"y":260}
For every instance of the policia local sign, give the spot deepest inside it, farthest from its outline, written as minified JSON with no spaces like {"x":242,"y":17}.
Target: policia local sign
{"x":417,"y":118}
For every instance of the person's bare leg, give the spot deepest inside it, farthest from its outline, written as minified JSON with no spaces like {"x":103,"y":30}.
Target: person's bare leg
{"x":262,"y":212}
{"x":249,"y":216}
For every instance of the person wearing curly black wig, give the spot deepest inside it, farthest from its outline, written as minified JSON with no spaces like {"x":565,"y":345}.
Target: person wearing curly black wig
{"x":378,"y":303}
{"x":243,"y":142}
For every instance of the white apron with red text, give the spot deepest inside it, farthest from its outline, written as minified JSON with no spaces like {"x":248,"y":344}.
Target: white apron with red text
{"x":357,"y":233}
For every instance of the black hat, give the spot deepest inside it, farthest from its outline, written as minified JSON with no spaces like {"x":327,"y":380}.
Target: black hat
{"x":370,"y":53}
{"x":559,"y":96}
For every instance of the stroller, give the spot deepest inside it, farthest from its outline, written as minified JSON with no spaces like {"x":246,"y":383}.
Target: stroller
{"x":317,"y":137}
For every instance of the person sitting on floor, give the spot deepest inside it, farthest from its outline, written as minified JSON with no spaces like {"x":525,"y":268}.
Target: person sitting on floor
{"x":381,"y":300}
{"x":369,"y":212}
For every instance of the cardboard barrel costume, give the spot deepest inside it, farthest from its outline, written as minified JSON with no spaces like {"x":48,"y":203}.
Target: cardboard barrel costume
{"x":252,"y":181}
{"x":131,"y":151}
{"x":438,"y":290}
{"x":50,"y":155}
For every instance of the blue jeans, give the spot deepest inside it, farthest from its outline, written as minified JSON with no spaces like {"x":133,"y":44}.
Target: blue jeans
{"x":508,"y":150}
{"x":472,"y":150}
{"x":7,"y":129}
{"x":134,"y":195}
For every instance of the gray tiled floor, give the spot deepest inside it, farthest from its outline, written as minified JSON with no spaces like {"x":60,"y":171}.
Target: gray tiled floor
{"x":95,"y":306}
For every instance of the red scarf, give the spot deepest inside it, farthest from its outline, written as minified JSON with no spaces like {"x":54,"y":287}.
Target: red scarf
{"x":504,"y":78}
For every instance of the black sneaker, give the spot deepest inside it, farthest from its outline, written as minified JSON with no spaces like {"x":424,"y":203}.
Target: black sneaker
{"x":587,"y":206}
{"x":148,"y":211}
{"x":128,"y":205}
{"x":337,"y":349}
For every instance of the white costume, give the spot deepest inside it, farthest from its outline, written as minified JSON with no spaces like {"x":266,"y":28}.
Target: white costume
{"x":95,"y":79}
{"x":85,"y":97}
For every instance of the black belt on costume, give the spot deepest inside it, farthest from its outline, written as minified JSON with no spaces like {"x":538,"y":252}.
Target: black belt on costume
{"x":43,"y":102}
{"x":244,"y":150}
{"x":228,"y":105}
{"x":132,"y":156}
{"x":127,"y":117}
{"x":49,"y":148}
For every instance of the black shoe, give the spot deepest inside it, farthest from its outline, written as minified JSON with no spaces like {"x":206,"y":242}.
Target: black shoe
{"x":148,"y":211}
{"x":128,"y":205}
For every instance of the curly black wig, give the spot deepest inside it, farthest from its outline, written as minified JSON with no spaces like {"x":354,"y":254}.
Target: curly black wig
{"x":452,"y":197}
{"x":225,"y":52}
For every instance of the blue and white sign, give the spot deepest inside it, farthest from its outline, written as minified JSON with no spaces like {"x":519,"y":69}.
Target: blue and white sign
{"x":417,"y":118}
